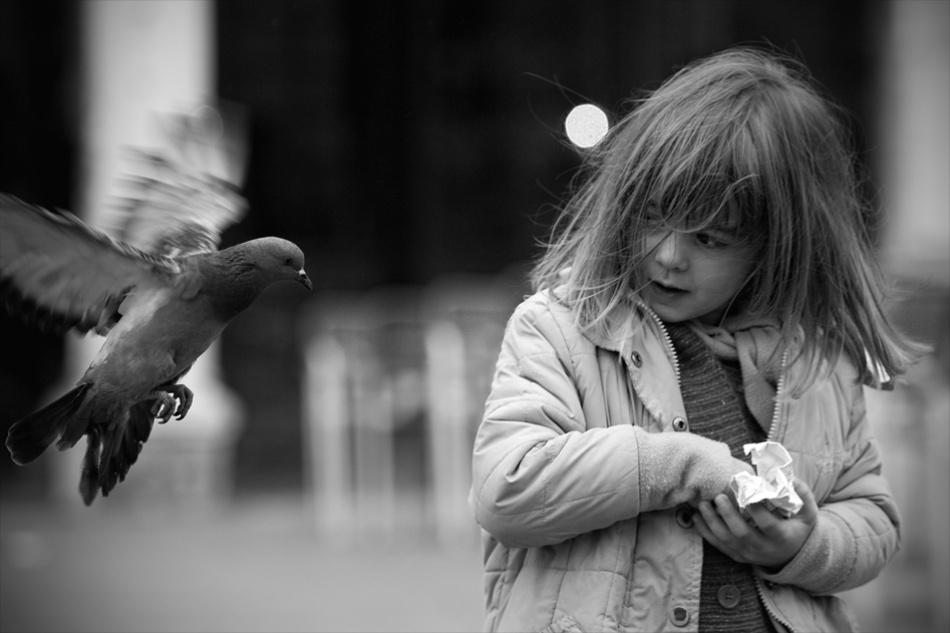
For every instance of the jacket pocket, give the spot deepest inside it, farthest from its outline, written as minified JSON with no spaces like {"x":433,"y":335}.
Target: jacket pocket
{"x":564,"y":624}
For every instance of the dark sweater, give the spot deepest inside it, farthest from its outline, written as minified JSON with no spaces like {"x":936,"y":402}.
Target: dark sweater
{"x":715,"y":408}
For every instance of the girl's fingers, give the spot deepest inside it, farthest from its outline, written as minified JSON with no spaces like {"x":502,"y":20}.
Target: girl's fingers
{"x":701,"y":525}
{"x":763,"y":518}
{"x":809,"y":504}
{"x":712,"y":520}
{"x":734,"y":521}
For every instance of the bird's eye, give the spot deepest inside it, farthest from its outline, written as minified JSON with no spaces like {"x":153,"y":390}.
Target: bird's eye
{"x":288,"y":261}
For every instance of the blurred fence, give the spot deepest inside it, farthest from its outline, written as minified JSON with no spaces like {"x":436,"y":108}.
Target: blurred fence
{"x":395,"y":384}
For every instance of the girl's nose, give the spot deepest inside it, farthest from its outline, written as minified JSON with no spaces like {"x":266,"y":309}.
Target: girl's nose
{"x":671,"y":251}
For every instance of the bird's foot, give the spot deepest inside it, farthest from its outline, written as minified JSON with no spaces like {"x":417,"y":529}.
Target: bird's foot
{"x":185,"y":398}
{"x":171,"y":400}
{"x":164,"y":407}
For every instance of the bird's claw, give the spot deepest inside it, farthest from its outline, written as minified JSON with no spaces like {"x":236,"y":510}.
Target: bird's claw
{"x":164,"y":406}
{"x":185,"y":398}
{"x":171,"y":400}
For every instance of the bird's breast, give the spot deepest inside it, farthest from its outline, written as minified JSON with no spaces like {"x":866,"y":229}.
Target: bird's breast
{"x":159,"y":336}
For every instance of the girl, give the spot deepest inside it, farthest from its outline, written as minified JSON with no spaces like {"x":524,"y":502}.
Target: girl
{"x":711,"y":284}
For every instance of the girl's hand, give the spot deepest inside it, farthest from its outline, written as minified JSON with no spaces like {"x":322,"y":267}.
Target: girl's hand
{"x":766,"y":539}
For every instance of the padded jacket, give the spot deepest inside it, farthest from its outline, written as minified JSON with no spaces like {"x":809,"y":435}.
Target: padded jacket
{"x":583,"y":466}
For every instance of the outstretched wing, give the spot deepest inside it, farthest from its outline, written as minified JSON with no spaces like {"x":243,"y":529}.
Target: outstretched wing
{"x":188,"y":191}
{"x":58,"y":272}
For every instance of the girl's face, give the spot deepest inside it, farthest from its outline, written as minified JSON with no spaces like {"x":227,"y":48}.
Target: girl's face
{"x":695,"y":275}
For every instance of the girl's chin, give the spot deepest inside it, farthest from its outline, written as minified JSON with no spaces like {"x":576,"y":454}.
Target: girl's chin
{"x":668,"y":305}
{"x":671,"y":313}
{"x":668,"y":314}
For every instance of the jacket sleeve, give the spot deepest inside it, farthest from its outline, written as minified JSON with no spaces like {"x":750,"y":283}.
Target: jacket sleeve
{"x":543,"y":474}
{"x":858,"y":528}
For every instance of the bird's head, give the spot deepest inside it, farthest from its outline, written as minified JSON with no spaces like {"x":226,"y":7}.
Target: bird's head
{"x":279,"y":260}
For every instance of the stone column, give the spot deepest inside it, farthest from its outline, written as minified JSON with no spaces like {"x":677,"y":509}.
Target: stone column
{"x":914,"y":156}
{"x":140,"y":58}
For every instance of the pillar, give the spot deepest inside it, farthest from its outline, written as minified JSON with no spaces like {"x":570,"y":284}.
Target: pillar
{"x":140,"y":58}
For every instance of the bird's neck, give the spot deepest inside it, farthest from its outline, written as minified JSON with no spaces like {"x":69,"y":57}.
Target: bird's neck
{"x":233,"y":283}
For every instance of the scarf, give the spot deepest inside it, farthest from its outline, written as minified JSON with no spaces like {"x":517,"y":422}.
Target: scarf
{"x":753,"y":342}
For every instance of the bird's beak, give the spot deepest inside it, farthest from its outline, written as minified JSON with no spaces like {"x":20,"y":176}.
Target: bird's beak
{"x":302,"y":278}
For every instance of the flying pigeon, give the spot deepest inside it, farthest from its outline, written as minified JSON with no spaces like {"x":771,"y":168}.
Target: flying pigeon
{"x":160,"y":292}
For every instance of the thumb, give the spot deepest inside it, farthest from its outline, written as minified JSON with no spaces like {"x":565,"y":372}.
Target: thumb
{"x":809,"y":511}
{"x":741,"y":466}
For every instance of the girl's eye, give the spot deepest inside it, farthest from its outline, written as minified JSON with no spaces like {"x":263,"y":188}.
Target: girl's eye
{"x":711,"y":241}
{"x":652,"y":217}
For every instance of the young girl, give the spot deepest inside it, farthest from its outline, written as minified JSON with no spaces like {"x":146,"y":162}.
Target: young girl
{"x":710,"y":285}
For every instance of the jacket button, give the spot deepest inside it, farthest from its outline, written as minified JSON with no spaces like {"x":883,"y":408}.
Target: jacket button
{"x":679,"y":424}
{"x":637,"y":359}
{"x":728,"y":596}
{"x":684,"y":517}
{"x":679,"y":616}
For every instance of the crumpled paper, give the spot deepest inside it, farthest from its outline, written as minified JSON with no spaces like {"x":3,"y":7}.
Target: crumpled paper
{"x":772,"y":482}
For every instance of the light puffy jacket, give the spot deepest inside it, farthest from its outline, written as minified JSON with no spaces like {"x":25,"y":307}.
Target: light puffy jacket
{"x":583,"y":466}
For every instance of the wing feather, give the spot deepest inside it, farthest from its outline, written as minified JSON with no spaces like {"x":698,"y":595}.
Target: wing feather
{"x":187,"y":193}
{"x":57,"y":271}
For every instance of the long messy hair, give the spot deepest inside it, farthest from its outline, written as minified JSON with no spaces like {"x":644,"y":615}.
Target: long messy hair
{"x":746,"y":129}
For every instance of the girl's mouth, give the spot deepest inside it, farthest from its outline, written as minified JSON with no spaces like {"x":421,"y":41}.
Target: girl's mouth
{"x":670,"y":291}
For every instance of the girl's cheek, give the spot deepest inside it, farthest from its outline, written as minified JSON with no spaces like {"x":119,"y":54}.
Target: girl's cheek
{"x":652,"y":239}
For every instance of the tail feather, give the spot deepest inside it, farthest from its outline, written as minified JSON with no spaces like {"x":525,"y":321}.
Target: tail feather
{"x":89,"y":477}
{"x":75,"y":429}
{"x":115,"y":436}
{"x":30,"y":436}
{"x":122,"y":445}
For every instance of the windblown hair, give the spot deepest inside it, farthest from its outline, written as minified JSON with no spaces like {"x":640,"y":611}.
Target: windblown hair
{"x":748,"y":129}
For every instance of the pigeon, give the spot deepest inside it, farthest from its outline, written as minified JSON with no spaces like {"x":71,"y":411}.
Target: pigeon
{"x":161,"y":293}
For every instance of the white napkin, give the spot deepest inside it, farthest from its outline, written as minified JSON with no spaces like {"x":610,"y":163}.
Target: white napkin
{"x":772,"y":482}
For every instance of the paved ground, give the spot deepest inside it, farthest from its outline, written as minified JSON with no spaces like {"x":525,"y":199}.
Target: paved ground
{"x":256,"y":566}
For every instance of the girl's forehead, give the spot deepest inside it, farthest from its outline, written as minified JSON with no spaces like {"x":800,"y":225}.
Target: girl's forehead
{"x":731,"y":215}
{"x":722,"y":213}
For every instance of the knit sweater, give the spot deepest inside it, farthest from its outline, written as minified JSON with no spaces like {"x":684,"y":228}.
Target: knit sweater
{"x":715,"y":408}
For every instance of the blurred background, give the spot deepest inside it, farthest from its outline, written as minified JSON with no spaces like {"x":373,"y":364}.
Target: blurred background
{"x":417,"y":152}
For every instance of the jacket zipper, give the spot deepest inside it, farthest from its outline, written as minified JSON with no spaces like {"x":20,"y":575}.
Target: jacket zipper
{"x":759,"y":582}
{"x":779,"y":388}
{"x":758,"y":586}
{"x":666,"y":337}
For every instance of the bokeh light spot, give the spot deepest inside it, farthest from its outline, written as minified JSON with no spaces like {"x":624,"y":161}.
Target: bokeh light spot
{"x":585,"y":125}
